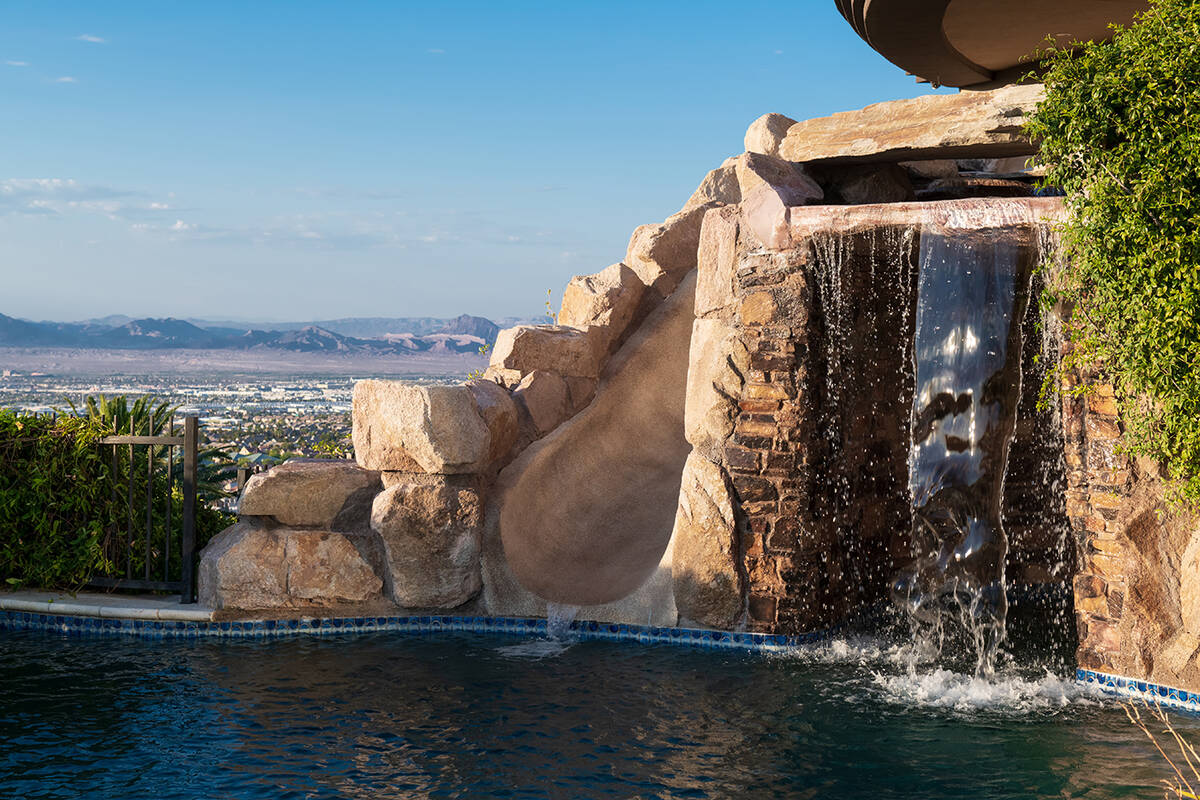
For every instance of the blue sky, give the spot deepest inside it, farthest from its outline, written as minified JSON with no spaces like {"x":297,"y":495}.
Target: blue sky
{"x":303,"y":160}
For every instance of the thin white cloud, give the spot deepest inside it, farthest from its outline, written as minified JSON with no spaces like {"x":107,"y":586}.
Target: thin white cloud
{"x":17,"y":63}
{"x":64,"y":195}
{"x":437,"y":51}
{"x":66,"y":79}
{"x":88,"y":37}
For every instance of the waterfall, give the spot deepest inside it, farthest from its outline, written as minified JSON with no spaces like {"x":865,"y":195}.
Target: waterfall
{"x":966,"y":360}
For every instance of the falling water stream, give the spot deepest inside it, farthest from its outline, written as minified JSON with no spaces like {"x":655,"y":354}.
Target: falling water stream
{"x":967,"y":367}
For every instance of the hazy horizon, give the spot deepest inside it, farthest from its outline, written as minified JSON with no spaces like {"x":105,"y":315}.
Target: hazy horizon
{"x":326,"y":161}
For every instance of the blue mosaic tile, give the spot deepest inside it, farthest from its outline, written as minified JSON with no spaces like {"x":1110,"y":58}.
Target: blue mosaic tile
{"x":1120,"y":686}
{"x":422,"y":625}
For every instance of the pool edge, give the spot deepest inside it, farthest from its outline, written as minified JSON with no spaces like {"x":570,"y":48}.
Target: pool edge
{"x":1146,"y":691}
{"x":80,"y":625}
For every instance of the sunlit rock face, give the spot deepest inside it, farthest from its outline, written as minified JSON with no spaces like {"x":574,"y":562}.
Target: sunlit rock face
{"x":966,"y":125}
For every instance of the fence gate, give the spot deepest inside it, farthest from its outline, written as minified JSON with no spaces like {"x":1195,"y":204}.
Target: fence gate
{"x":154,"y":546}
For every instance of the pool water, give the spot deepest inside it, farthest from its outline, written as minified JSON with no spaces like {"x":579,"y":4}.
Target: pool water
{"x":461,"y":715}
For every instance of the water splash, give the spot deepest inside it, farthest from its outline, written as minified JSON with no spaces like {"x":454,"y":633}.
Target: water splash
{"x":1008,"y":693}
{"x":559,"y":617}
{"x":901,"y":673}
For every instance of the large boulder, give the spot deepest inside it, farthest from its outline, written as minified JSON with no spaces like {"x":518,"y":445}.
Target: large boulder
{"x":434,"y":429}
{"x":611,"y":301}
{"x":499,"y":413}
{"x":431,"y":529}
{"x":770,"y":186}
{"x":567,"y":350}
{"x":547,"y":400}
{"x":661,"y":254}
{"x":983,"y":124}
{"x":790,"y":181}
{"x":708,"y":589}
{"x":311,"y":493}
{"x":250,"y":566}
{"x":720,"y":186}
{"x":766,"y":133}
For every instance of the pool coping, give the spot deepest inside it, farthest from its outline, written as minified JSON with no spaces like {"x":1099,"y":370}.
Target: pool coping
{"x":105,"y":606}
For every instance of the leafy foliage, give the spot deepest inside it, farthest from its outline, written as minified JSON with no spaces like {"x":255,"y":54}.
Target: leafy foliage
{"x":64,"y":497}
{"x":1120,"y":132}
{"x":52,"y":483}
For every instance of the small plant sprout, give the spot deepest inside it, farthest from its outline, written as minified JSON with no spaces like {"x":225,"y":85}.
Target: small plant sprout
{"x":476,"y":374}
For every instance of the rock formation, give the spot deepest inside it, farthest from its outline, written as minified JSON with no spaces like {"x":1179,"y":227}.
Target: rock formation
{"x":657,"y":454}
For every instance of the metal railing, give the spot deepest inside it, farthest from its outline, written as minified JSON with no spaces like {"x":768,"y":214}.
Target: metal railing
{"x":144,"y":545}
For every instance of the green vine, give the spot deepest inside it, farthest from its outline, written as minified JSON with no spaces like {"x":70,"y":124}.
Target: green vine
{"x":1119,"y":131}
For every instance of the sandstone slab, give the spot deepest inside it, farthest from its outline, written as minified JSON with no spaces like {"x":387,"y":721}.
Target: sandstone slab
{"x":249,"y":567}
{"x":431,"y":541}
{"x":566,"y":350}
{"x":983,"y":124}
{"x":611,"y":300}
{"x":766,"y":133}
{"x":309,"y":492}
{"x":663,"y":253}
{"x":435,"y":429}
{"x":708,"y":589}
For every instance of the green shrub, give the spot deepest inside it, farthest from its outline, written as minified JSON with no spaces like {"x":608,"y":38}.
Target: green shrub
{"x":62,"y":497}
{"x":53,"y":483}
{"x":1120,"y":132}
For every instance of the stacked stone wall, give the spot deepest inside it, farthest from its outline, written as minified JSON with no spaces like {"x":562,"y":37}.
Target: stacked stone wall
{"x":1137,"y":587}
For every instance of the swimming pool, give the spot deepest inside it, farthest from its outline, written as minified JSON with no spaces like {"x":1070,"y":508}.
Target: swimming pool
{"x":465,"y":715}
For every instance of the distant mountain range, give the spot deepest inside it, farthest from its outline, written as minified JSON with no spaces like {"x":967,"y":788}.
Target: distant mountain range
{"x":463,"y":334}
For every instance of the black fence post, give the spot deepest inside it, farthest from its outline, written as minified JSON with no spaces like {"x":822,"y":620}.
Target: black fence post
{"x":191,"y":437}
{"x":243,"y":476}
